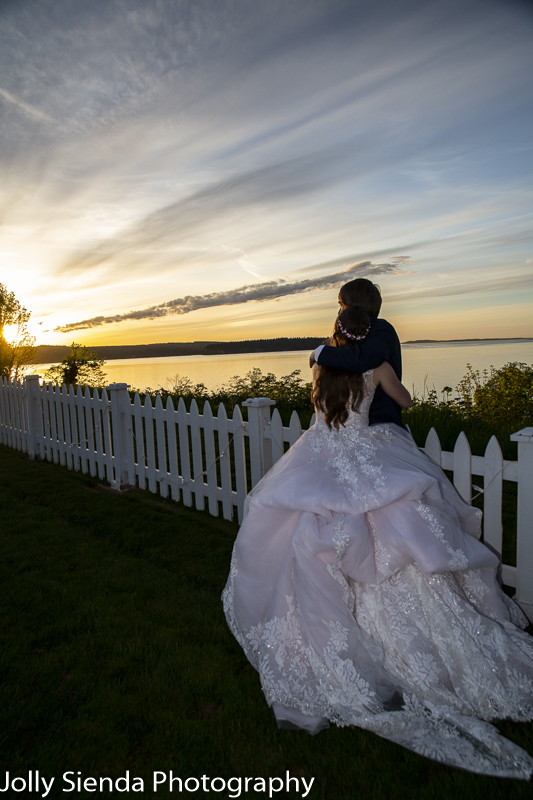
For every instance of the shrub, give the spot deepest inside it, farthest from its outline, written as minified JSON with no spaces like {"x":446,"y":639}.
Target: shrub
{"x":290,"y":391}
{"x":79,"y":368}
{"x":501,"y":396}
{"x":495,"y":402}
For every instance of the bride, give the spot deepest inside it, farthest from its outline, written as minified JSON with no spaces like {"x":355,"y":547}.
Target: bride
{"x":360,"y":592}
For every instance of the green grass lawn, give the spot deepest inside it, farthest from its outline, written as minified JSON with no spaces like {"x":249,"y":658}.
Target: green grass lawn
{"x":115,"y":656}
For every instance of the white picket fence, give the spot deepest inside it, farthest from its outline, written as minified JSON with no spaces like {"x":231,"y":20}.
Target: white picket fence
{"x":214,"y":459}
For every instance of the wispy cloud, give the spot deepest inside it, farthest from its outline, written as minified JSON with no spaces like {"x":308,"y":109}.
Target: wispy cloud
{"x":157,"y":149}
{"x":269,"y":290}
{"x":29,"y":109}
{"x":503,"y":285}
{"x":169,"y":227}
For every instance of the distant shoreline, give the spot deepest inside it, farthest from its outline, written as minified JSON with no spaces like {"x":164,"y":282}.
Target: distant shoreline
{"x":458,"y":341}
{"x":50,"y":354}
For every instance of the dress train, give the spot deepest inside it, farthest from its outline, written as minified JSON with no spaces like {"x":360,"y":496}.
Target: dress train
{"x":360,"y":592}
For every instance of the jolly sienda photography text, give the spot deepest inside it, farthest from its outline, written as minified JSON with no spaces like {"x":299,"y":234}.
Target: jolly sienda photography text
{"x":35,"y":783}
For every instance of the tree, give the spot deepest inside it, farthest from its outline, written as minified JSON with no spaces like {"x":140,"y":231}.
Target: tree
{"x":79,"y":367}
{"x":18,"y":349}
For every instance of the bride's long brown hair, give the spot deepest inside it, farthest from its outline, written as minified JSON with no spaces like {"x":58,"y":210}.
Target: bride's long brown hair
{"x":333,"y":389}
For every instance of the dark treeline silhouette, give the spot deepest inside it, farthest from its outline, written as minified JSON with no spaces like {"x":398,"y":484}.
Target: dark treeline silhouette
{"x":47,"y":354}
{"x":265,"y":345}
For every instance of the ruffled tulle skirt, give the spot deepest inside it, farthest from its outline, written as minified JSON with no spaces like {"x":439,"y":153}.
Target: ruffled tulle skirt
{"x":360,"y":592}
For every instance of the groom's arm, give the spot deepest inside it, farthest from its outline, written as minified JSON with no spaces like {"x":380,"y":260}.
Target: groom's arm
{"x":371,"y":353}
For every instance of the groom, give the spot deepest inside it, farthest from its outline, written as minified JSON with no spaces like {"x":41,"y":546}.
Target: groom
{"x":381,"y":344}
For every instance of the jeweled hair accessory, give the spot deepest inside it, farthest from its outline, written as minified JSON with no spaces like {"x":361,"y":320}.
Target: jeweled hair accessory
{"x":351,"y":335}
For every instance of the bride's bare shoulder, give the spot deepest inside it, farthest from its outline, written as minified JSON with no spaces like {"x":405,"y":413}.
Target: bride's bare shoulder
{"x":379,"y":373}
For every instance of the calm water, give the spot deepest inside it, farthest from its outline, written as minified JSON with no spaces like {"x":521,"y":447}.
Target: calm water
{"x":424,"y":365}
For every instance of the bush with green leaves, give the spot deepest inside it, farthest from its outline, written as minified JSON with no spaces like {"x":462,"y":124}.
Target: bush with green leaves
{"x":290,"y":391}
{"x":79,"y":368}
{"x":493,"y":402}
{"x":497,"y":401}
{"x":501,"y":396}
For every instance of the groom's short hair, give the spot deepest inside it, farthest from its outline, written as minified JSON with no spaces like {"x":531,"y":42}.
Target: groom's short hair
{"x":361,"y":293}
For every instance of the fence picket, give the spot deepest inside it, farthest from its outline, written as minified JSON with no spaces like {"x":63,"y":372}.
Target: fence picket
{"x":6,"y":424}
{"x":138,"y":437}
{"x":19,"y":417}
{"x":224,"y":462}
{"x":171,"y":419}
{"x":23,"y":413}
{"x":74,"y":432}
{"x":47,"y":432}
{"x":295,"y":429}
{"x":210,"y":489}
{"x":433,"y":448}
{"x":183,"y":436}
{"x":14,"y":417}
{"x":3,"y":406}
{"x":8,"y":421}
{"x":89,"y":430}
{"x":239,"y":455}
{"x":161,"y":446}
{"x":107,"y":454}
{"x":23,"y":408}
{"x":63,"y":427}
{"x":148,"y":414}
{"x":83,"y":449}
{"x":462,"y":467}
{"x":130,"y":450}
{"x":54,"y":390}
{"x":276,"y":431}
{"x":98,"y":415}
{"x":11,"y":418}
{"x":3,"y":409}
{"x":197,"y":463}
{"x":492,"y":496}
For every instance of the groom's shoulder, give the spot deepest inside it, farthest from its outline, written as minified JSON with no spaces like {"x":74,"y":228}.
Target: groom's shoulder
{"x":382,"y":325}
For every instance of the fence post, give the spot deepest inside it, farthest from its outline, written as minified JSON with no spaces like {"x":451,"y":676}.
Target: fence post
{"x":120,"y":401}
{"x":524,"y":528}
{"x":260,"y":446}
{"x":34,"y":430}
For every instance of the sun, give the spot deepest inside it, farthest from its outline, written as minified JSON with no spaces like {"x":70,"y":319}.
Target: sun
{"x":10,"y":332}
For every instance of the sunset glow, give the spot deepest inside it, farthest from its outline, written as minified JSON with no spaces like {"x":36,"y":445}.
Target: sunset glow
{"x":199,"y":170}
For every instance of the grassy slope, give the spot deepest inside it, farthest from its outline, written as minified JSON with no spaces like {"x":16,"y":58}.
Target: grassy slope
{"x":115,"y":654}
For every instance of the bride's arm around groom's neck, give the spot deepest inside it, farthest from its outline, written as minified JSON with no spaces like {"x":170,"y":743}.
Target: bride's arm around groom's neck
{"x":381,"y":344}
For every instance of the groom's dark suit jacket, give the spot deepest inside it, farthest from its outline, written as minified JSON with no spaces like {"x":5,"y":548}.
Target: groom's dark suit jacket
{"x":381,"y":344}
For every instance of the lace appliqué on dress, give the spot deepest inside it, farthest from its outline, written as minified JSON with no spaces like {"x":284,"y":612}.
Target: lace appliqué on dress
{"x":458,"y":559}
{"x":381,"y":554}
{"x":350,"y":452}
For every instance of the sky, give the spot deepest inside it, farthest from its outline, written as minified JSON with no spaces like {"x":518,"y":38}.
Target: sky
{"x":190,"y":170}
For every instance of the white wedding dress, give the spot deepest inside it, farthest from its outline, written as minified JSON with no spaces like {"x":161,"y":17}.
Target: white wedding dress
{"x":359,"y":591}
